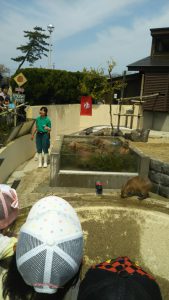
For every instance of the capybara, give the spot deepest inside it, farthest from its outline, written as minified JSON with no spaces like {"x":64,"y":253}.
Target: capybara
{"x":76,"y":146}
{"x":136,"y":186}
{"x":104,"y":145}
{"x":124,"y":149}
{"x":101,"y":142}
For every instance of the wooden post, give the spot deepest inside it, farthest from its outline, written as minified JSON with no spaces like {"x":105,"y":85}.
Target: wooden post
{"x":15,"y":117}
{"x":131,"y":120}
{"x":140,"y":110}
{"x":121,"y":97}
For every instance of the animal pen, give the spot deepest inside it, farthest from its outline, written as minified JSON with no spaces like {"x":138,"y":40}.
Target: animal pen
{"x":133,"y":112}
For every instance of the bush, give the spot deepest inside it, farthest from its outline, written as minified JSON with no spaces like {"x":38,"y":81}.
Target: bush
{"x":50,"y":86}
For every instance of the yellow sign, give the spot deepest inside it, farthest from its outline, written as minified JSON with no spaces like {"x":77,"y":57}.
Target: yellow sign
{"x":20,"y":79}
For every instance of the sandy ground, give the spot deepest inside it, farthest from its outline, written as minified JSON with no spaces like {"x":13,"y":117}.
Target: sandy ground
{"x":156,"y":147}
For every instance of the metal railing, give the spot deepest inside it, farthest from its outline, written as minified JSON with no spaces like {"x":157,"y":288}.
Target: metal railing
{"x":13,"y":123}
{"x":11,"y":116}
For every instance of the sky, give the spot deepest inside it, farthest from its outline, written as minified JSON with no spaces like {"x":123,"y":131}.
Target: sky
{"x":87,"y":33}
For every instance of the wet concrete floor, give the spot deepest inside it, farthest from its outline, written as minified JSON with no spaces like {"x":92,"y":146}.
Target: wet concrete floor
{"x":112,"y":226}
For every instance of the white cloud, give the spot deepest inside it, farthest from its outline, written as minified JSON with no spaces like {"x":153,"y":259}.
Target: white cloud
{"x":124,"y":44}
{"x":71,"y":17}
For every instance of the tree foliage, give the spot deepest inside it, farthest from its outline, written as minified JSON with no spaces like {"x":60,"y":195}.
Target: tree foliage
{"x":4,"y":74}
{"x":3,"y":70}
{"x":99,"y":85}
{"x":46,"y":86}
{"x":35,"y":48}
{"x":92,"y":83}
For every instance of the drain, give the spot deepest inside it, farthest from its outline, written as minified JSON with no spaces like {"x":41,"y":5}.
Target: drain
{"x":1,"y":159}
{"x":15,"y":184}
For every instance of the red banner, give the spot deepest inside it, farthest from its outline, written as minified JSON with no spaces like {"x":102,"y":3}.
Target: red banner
{"x":86,"y":106}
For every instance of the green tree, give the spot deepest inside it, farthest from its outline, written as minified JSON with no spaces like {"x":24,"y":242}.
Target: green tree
{"x":92,"y":83}
{"x":34,"y":49}
{"x":4,"y":70}
{"x":111,"y":87}
{"x":46,"y":86}
{"x":100,"y":86}
{"x":4,"y":73}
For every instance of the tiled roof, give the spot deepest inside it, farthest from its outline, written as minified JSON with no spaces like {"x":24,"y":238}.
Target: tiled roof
{"x":149,"y":61}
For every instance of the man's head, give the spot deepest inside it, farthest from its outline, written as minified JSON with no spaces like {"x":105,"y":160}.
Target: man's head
{"x":1,"y":100}
{"x":6,"y":101}
{"x":5,"y":88}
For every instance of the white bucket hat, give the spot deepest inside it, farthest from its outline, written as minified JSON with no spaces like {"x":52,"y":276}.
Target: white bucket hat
{"x":9,"y":206}
{"x":50,"y":246}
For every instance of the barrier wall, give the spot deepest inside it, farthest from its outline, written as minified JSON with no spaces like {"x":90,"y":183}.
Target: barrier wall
{"x":14,"y":154}
{"x":159,"y":175}
{"x":156,"y":120}
{"x":66,"y":119}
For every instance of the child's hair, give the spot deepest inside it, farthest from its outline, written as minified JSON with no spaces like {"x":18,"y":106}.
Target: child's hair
{"x":7,"y":98}
{"x":117,"y":279}
{"x":44,"y":108}
{"x":16,"y":289}
{"x":48,"y":253}
{"x":4,"y":86}
{"x":8,"y":206}
{"x":1,"y":99}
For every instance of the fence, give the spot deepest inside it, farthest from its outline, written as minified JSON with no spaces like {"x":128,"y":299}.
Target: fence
{"x":10,"y":118}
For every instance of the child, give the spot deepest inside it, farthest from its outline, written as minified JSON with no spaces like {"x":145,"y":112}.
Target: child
{"x":8,"y":213}
{"x":116,"y":279}
{"x":48,"y":253}
{"x":1,"y":104}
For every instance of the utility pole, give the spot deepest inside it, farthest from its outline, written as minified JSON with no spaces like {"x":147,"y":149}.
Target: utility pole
{"x":50,"y":28}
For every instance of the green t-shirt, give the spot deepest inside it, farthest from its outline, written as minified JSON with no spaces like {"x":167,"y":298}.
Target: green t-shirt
{"x":41,"y":122}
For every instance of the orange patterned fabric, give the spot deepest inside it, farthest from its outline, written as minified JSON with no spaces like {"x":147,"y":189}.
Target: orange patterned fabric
{"x":123,"y":266}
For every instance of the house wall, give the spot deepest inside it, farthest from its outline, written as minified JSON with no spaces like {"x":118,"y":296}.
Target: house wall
{"x":157,"y":83}
{"x":133,"y":85}
{"x":156,"y":120}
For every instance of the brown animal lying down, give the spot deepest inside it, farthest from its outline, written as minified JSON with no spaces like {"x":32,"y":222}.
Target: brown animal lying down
{"x":136,"y":186}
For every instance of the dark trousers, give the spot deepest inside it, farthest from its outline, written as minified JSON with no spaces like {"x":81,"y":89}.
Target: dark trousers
{"x":42,"y":142}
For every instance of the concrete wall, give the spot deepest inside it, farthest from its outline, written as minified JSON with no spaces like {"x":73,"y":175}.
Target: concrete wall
{"x":117,"y":228}
{"x":156,"y":121}
{"x":87,"y":179}
{"x":66,"y":119}
{"x":159,"y":175}
{"x":14,"y":154}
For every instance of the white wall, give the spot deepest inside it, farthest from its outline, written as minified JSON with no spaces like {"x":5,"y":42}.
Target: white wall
{"x":66,"y":119}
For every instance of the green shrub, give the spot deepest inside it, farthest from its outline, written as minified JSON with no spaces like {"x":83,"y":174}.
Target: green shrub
{"x":46,"y":86}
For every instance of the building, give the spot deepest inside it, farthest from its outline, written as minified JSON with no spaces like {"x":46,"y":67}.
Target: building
{"x":154,"y":71}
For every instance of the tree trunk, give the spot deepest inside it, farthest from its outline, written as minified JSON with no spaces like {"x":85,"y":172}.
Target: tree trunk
{"x":110,"y":105}
{"x":22,"y":62}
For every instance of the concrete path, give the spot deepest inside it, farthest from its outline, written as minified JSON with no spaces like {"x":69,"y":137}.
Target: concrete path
{"x":34,"y":181}
{"x":139,"y":228}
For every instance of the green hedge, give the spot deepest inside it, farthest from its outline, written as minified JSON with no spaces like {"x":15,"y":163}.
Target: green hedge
{"x":50,"y":86}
